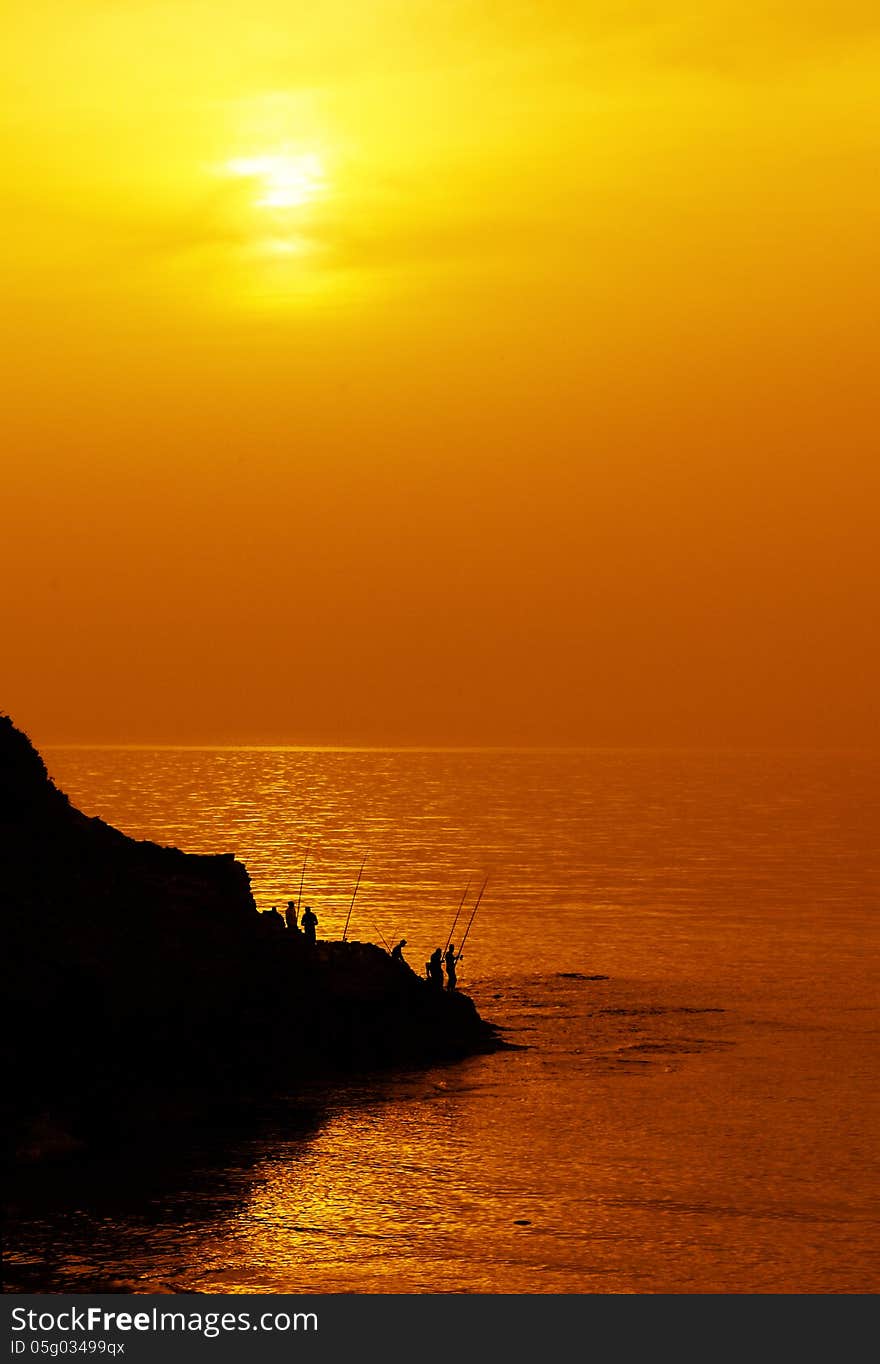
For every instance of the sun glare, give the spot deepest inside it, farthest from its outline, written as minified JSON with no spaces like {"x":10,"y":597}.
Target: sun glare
{"x":278,"y":249}
{"x":282,"y":180}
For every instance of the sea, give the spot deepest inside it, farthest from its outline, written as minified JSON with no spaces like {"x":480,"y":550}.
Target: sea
{"x":681,"y":948}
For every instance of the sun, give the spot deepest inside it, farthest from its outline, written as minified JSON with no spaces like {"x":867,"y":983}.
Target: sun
{"x":279,"y":252}
{"x":282,"y":179}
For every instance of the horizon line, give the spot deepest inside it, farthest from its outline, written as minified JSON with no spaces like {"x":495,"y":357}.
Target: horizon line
{"x":154,"y":747}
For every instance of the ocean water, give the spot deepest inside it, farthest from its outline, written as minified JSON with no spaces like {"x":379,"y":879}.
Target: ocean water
{"x":683,"y":945}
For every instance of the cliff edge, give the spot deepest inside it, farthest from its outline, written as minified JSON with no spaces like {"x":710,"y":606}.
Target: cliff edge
{"x":133,"y":970}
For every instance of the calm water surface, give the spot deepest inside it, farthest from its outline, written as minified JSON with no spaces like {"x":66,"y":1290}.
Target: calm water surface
{"x":702,"y":1117}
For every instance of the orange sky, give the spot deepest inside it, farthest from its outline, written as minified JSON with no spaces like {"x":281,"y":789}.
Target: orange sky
{"x":409,"y":372}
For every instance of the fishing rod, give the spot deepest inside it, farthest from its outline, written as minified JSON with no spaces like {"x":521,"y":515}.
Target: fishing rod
{"x":471,"y":919}
{"x":351,"y":906}
{"x":381,"y":934}
{"x":457,"y":912}
{"x":302,"y":878}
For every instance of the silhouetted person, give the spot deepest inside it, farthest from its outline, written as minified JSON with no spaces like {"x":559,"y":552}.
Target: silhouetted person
{"x":290,"y":916}
{"x":273,"y":919}
{"x":309,"y":924}
{"x":397,"y":952}
{"x":435,"y":967}
{"x":451,"y":959}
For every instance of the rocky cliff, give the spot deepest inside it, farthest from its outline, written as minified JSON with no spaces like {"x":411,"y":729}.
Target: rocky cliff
{"x":134,"y":971}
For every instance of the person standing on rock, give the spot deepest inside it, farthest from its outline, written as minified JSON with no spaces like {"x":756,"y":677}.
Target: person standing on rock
{"x":435,"y":967}
{"x":451,"y":959}
{"x":309,"y":924}
{"x":290,"y":916}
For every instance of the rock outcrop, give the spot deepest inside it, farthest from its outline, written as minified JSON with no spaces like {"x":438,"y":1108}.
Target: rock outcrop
{"x":134,"y":971}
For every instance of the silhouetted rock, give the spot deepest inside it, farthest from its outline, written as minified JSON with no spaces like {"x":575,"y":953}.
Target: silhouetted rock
{"x":134,"y":970}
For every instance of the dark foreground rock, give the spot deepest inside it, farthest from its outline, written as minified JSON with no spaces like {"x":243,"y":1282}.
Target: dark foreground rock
{"x":142,"y":979}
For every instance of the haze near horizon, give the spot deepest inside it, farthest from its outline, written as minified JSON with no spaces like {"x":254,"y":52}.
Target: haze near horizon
{"x":406,"y":373}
